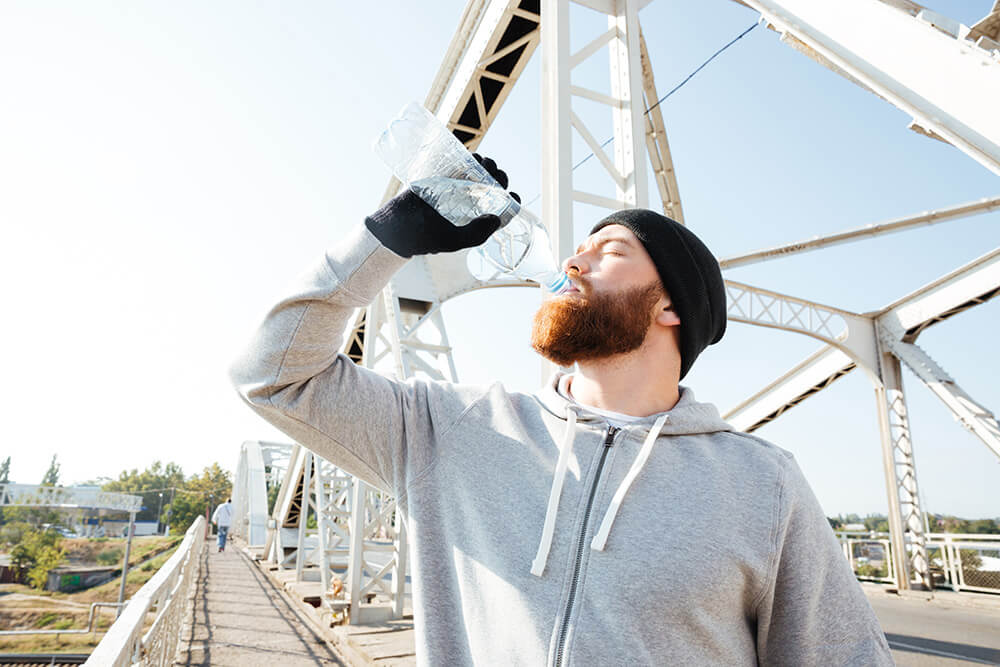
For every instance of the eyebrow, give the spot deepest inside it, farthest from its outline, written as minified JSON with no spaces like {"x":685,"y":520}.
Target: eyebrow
{"x":609,"y":239}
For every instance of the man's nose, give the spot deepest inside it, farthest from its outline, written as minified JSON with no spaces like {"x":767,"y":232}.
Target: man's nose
{"x":577,"y":262}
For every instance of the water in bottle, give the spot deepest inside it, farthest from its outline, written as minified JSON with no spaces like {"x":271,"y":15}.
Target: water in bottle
{"x":424,"y":155}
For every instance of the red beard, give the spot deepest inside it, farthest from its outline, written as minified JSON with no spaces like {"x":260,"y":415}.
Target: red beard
{"x":569,"y":329}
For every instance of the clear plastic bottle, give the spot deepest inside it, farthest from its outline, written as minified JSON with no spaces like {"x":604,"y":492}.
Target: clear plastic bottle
{"x":424,"y":155}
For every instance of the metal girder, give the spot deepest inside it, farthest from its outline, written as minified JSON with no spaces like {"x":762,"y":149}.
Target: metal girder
{"x":250,"y":494}
{"x":656,"y":141}
{"x":852,"y":333}
{"x":287,"y":505}
{"x":988,"y":26}
{"x":965,"y":287}
{"x":967,"y":412}
{"x":67,"y":497}
{"x":498,"y":52}
{"x":911,"y":57}
{"x":490,"y":49}
{"x":973,"y":284}
{"x":906,"y":526}
{"x":814,"y":374}
{"x":985,"y":205}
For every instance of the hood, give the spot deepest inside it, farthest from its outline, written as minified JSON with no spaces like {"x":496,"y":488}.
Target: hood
{"x":687,"y":417}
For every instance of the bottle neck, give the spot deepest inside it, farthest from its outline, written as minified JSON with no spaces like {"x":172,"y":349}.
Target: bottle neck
{"x":557,"y":283}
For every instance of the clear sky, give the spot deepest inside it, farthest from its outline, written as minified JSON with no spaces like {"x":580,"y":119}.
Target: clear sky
{"x":165,"y":168}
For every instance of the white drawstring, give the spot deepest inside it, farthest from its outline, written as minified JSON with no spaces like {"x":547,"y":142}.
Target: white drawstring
{"x":597,"y":544}
{"x":538,"y":565}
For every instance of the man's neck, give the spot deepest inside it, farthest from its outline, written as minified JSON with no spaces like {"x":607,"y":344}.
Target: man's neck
{"x":626,"y":383}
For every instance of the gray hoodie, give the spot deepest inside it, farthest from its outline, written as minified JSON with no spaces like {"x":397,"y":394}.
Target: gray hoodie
{"x":539,"y":534}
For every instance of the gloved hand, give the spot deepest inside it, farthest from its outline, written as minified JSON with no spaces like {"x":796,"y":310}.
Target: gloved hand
{"x":409,"y":226}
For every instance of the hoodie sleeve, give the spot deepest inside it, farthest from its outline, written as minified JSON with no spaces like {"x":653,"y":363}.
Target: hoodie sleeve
{"x":812,"y":610}
{"x":293,"y":375}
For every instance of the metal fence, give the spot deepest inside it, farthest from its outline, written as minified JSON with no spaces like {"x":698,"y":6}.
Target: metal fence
{"x":959,"y":561}
{"x":148,"y":630}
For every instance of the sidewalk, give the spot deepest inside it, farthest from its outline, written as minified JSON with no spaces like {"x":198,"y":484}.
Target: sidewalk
{"x":241,"y":619}
{"x":940,"y":597}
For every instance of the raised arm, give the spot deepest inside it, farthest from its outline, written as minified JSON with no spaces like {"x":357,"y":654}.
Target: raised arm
{"x":293,"y":375}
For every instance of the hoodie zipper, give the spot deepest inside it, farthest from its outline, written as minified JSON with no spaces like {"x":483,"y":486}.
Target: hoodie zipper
{"x":574,"y":583}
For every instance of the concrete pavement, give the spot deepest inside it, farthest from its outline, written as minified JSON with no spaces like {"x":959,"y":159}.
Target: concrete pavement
{"x":241,"y":619}
{"x":950,"y":629}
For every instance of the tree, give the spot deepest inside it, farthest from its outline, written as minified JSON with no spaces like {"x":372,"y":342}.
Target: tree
{"x":38,"y":552}
{"x":149,"y":484}
{"x":5,"y":471}
{"x":200,"y":493}
{"x":52,"y":474}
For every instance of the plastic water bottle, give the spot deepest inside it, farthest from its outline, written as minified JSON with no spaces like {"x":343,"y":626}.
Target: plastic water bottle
{"x":425,"y":156}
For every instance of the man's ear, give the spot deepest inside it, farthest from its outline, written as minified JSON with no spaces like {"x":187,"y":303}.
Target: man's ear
{"x":667,"y":316}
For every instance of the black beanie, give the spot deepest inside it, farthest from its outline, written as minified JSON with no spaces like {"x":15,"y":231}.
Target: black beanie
{"x":689,"y":272}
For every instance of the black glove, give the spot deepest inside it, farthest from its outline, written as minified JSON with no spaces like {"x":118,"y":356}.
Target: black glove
{"x":409,"y":226}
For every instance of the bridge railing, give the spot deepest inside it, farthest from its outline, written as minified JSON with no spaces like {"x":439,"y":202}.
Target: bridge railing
{"x":135,"y":638}
{"x":959,"y":561}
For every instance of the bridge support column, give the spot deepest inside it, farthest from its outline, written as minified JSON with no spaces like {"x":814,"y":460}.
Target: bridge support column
{"x":906,"y":524}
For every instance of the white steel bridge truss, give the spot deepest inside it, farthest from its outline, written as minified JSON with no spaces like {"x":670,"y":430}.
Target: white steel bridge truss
{"x":945,"y":75}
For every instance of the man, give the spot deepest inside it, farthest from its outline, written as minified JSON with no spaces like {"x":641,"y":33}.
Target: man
{"x":223,"y":518}
{"x":607,"y":519}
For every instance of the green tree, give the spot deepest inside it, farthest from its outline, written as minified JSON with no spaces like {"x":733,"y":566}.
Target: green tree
{"x":150,"y":483}
{"x":983,"y":526}
{"x":201,"y":493}
{"x":51,"y":477}
{"x":5,"y":471}
{"x":38,"y":552}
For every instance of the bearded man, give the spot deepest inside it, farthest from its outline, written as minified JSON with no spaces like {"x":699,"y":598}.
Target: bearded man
{"x":607,"y":519}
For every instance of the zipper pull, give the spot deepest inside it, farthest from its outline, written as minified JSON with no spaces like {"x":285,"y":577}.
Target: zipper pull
{"x":610,"y":438}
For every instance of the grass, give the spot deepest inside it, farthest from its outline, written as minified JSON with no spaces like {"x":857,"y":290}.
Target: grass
{"x":84,"y":551}
{"x":32,"y":613}
{"x":50,"y":643}
{"x":108,"y":591}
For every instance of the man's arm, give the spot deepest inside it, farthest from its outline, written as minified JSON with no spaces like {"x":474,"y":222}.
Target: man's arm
{"x":293,"y":375}
{"x":813,"y":611}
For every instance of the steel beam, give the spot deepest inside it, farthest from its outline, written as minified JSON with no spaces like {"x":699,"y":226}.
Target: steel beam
{"x":807,"y":378}
{"x":985,"y":205}
{"x":852,"y":333}
{"x":66,"y":497}
{"x":906,"y":526}
{"x":967,"y":411}
{"x":975,"y":283}
{"x":657,"y":146}
{"x":947,"y":84}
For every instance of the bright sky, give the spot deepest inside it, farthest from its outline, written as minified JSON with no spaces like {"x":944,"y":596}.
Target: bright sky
{"x":165,"y":168}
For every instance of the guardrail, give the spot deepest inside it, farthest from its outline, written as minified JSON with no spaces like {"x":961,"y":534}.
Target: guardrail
{"x":91,"y":623}
{"x":959,"y":561}
{"x":128,"y":641}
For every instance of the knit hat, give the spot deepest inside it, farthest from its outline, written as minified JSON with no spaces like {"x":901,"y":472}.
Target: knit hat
{"x":689,"y":272}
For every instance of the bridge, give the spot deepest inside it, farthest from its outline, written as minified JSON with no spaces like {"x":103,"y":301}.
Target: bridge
{"x":310,"y":533}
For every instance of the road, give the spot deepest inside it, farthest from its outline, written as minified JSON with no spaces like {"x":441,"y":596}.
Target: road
{"x":937,"y":633}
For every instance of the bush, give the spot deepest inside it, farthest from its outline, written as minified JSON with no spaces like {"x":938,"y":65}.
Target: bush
{"x":868,"y":570}
{"x":109,"y":557}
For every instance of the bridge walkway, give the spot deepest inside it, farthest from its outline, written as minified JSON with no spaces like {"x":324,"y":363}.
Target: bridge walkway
{"x":241,"y":619}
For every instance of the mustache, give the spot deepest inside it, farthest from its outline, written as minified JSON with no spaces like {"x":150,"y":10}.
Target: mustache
{"x":578,"y":280}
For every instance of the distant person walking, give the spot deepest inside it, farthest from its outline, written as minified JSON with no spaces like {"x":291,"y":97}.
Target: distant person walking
{"x":222,"y":518}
